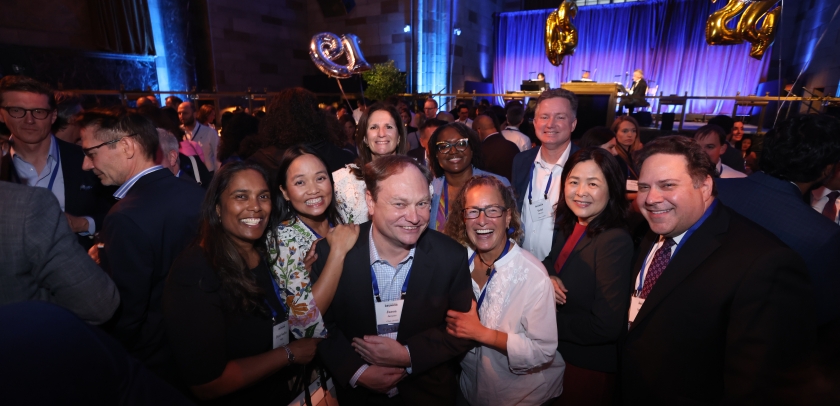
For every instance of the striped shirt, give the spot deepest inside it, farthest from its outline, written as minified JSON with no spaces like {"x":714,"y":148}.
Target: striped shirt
{"x":125,"y":187}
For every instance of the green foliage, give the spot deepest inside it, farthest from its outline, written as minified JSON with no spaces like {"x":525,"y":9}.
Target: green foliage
{"x":383,"y":81}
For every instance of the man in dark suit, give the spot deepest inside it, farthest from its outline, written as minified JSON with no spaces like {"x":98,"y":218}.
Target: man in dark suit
{"x":540,"y":168}
{"x":408,"y":359}
{"x":429,"y":126}
{"x":722,"y":310}
{"x":798,"y":156}
{"x":731,"y":157}
{"x":496,"y":151}
{"x":37,"y":158}
{"x":637,"y":91}
{"x":153,"y":221}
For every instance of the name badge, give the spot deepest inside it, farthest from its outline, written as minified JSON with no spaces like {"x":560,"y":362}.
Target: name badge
{"x":281,"y":334}
{"x":540,"y":209}
{"x":388,"y":316}
{"x":635,"y":305}
{"x":632,"y":185}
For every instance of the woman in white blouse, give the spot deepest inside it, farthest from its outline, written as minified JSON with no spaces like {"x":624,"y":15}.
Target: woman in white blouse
{"x":517,"y":362}
{"x":380,"y":132}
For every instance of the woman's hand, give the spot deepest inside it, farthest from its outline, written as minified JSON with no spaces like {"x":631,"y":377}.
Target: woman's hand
{"x":311,"y":257}
{"x":342,"y":237}
{"x":465,"y":325}
{"x":559,"y":290}
{"x":304,"y":349}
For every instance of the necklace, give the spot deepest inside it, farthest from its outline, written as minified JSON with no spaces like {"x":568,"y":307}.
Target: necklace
{"x":491,"y":265}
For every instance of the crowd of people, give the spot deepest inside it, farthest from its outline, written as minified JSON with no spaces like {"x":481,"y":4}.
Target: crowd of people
{"x":472,"y":257}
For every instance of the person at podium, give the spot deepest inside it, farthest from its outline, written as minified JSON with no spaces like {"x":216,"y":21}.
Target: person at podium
{"x":586,"y":77}
{"x":636,"y":93}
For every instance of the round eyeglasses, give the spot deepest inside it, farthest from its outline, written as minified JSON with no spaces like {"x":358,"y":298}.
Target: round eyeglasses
{"x":461,"y":145}
{"x":20,"y":112}
{"x":492,"y":211}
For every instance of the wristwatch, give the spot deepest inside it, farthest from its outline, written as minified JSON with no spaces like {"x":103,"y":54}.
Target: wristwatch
{"x":289,"y":353}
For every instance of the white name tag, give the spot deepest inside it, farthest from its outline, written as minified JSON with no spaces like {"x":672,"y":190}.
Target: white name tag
{"x":388,"y":316}
{"x":635,"y":305}
{"x":281,"y":334}
{"x":632,"y":185}
{"x":540,"y":209}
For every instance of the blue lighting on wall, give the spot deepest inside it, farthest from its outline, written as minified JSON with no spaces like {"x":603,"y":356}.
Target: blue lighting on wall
{"x":433,"y":37}
{"x":159,"y":32}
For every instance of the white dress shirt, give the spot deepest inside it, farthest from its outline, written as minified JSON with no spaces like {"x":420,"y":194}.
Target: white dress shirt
{"x":208,"y":138}
{"x":539,"y":233}
{"x":819,"y":197}
{"x":728,"y":173}
{"x":512,"y":134}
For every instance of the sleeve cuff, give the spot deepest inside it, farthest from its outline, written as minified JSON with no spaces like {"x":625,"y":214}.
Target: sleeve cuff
{"x":91,"y":227}
{"x":358,"y":374}
{"x":408,"y":369}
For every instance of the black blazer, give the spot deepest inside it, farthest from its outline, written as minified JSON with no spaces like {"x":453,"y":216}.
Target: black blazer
{"x":143,"y":234}
{"x":497,"y":153}
{"x":729,"y":317}
{"x":522,"y":171}
{"x":598,"y":277}
{"x":188,"y":173}
{"x":419,"y":154}
{"x":439,"y":281}
{"x":84,"y":194}
{"x":639,"y":92}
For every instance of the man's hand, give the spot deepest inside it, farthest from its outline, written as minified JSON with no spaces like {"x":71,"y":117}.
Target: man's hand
{"x":382,"y":351}
{"x":381,"y":379}
{"x":465,"y":325}
{"x":559,"y":290}
{"x":77,"y":224}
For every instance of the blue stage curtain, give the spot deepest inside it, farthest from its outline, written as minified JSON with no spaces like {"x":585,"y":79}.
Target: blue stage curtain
{"x":666,"y":39}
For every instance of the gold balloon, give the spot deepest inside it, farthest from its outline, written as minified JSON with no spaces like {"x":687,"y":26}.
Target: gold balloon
{"x":561,"y":35}
{"x":751,"y":12}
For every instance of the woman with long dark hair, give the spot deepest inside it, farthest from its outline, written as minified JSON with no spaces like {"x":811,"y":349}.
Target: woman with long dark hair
{"x":307,"y":214}
{"x":627,"y":134}
{"x":226,"y":319}
{"x":590,"y":266}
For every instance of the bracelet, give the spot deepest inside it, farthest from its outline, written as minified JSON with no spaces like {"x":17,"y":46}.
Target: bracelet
{"x":289,"y":354}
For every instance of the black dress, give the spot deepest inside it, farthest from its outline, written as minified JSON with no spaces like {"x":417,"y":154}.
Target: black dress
{"x":205,"y":335}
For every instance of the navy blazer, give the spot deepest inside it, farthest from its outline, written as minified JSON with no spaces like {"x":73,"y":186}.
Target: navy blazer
{"x":143,"y":234}
{"x":778,"y":206}
{"x":522,"y":172}
{"x":439,"y":281}
{"x":84,"y":195}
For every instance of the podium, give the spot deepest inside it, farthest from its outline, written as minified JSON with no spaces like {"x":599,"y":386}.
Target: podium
{"x":596,"y":104}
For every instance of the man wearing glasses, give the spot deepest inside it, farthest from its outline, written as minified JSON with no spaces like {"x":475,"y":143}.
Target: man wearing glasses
{"x":156,"y":216}
{"x":37,"y":158}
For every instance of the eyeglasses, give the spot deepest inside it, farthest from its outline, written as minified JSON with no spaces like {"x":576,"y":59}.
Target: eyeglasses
{"x":20,"y":112}
{"x":87,"y":151}
{"x":492,"y":211}
{"x":446,"y":147}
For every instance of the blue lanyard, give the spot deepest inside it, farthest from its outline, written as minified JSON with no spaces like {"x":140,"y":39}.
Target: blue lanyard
{"x":489,"y":278}
{"x":687,"y":234}
{"x":375,"y":284}
{"x":57,"y":166}
{"x":312,"y":230}
{"x":531,"y":183}
{"x":279,"y":298}
{"x":445,"y":200}
{"x":195,"y":131}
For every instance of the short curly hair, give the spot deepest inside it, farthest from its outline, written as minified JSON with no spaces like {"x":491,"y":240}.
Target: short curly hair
{"x":292,"y":118}
{"x":456,"y":225}
{"x":800,"y":148}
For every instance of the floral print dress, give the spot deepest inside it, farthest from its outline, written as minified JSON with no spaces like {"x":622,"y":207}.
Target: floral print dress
{"x":293,"y":242}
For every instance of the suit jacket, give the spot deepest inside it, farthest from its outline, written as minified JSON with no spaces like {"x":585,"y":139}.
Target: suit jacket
{"x":188,"y":172}
{"x":730,"y":315}
{"x":598,"y":276}
{"x":733,"y":159}
{"x":84,"y":194}
{"x":638,"y":96}
{"x":419,"y":154}
{"x":522,"y":171}
{"x":497,"y":153}
{"x":143,"y":234}
{"x":439,"y":281}
{"x":41,"y":260}
{"x":779,"y":207}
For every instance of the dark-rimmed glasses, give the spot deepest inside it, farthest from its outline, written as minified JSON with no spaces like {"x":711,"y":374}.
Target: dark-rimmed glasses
{"x":492,"y":211}
{"x":20,"y":112}
{"x":87,"y":151}
{"x":461,"y":145}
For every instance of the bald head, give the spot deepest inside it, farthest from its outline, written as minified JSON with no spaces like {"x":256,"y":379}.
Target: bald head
{"x":485,"y":126}
{"x":186,"y":113}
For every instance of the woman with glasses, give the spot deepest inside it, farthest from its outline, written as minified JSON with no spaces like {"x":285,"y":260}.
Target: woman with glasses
{"x":590,"y":264}
{"x":454,"y":153}
{"x":516,"y":362}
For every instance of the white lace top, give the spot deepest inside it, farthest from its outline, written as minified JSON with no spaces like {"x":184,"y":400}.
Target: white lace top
{"x":520,"y":302}
{"x":350,"y":196}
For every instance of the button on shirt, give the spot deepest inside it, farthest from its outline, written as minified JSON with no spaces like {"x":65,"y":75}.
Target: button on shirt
{"x":29,"y":176}
{"x":390,"y":280}
{"x":539,"y":233}
{"x":819,"y":197}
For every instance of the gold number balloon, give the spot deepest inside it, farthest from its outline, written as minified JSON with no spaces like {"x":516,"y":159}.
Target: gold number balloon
{"x":561,"y":36}
{"x":751,"y":12}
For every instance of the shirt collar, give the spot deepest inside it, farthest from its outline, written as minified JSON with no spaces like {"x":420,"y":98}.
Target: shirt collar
{"x":560,"y":162}
{"x":125,"y":187}
{"x":374,"y":254}
{"x":52,"y":154}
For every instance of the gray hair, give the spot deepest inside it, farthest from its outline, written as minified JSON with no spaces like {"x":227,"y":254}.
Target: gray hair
{"x":167,"y":141}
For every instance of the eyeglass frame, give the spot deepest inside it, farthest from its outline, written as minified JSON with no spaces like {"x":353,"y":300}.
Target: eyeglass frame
{"x":86,"y":151}
{"x":449,"y":146}
{"x":30,"y":111}
{"x":484,"y":210}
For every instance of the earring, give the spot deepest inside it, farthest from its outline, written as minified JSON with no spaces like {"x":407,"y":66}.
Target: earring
{"x":510,"y":230}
